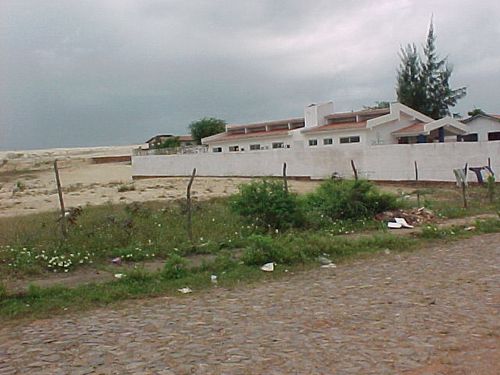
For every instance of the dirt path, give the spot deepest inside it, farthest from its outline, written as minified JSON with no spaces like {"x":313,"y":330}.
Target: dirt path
{"x":433,"y":311}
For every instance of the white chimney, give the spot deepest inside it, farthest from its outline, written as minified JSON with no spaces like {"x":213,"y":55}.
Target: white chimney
{"x":314,"y":114}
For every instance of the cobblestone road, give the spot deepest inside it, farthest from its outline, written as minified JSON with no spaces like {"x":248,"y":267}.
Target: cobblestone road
{"x":436,"y":309}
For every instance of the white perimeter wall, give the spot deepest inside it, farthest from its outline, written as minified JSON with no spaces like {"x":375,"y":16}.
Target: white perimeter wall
{"x":436,"y":161}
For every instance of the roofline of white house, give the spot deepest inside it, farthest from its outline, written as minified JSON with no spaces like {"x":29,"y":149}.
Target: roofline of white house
{"x":484,"y":115}
{"x":395,"y":114}
{"x":264,"y":123}
{"x":269,"y":135}
{"x":451,"y":122}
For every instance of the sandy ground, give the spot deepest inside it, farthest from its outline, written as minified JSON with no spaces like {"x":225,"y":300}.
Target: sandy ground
{"x":27,"y":181}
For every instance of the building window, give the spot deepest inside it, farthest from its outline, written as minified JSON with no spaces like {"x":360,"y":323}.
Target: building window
{"x":254,"y":147}
{"x":327,"y":141}
{"x":216,"y":149}
{"x":234,"y":148}
{"x":354,"y":139}
{"x":278,"y":145}
{"x":494,"y":136}
{"x":313,"y":142}
{"x":467,"y":138}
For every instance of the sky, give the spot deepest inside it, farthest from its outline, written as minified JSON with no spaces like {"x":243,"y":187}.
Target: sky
{"x":116,"y":72}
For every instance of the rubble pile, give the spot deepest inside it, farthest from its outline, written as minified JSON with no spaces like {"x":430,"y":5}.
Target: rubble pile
{"x":413,"y":216}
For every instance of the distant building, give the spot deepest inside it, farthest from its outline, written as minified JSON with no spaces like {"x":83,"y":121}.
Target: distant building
{"x":322,"y":127}
{"x":481,"y":127}
{"x":157,"y":140}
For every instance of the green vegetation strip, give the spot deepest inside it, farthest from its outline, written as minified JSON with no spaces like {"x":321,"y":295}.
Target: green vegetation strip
{"x":291,"y":251}
{"x":262,"y":223}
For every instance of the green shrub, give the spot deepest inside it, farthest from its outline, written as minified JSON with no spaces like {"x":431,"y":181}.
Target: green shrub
{"x":488,"y":225}
{"x":223,"y":262}
{"x":433,"y":232}
{"x":490,"y":186}
{"x":348,"y":200}
{"x":264,"y":249}
{"x":175,"y":267}
{"x":139,"y":274}
{"x":170,"y":142}
{"x":266,"y":204}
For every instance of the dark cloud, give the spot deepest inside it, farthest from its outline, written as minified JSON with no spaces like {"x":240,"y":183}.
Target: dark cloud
{"x":116,"y":71}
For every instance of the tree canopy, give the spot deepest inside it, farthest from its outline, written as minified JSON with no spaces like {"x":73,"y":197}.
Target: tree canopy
{"x":206,"y":127}
{"x":170,"y":142}
{"x":423,"y":83}
{"x":475,"y":112}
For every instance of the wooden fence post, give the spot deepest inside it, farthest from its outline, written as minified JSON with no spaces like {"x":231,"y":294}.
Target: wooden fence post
{"x":189,"y":214}
{"x":416,"y":179}
{"x":61,"y":199}
{"x":464,"y":194}
{"x":285,"y":179}
{"x":354,"y":170}
{"x":464,"y":183}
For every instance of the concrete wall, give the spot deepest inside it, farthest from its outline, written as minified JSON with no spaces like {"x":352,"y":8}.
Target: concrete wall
{"x":436,"y":161}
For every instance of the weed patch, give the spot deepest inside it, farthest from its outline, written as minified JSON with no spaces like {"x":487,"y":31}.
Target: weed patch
{"x":266,"y":204}
{"x":349,"y":200}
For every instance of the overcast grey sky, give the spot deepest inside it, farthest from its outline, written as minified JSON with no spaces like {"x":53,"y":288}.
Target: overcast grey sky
{"x":105,"y":72}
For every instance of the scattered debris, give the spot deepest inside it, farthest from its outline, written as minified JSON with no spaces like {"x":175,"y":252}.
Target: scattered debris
{"x":329,"y":265}
{"x":119,"y":275}
{"x":393,"y":225}
{"x":399,"y":222}
{"x":185,"y":290}
{"x":415,"y":216}
{"x":324,"y":261}
{"x":213,"y":279}
{"x":268,"y":267}
{"x":402,"y":221}
{"x":71,"y":214}
{"x":387,"y":251}
{"x":117,"y":260}
{"x":468,"y":229}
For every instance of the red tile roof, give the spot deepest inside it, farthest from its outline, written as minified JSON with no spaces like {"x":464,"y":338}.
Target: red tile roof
{"x":229,"y":136}
{"x":416,"y":127}
{"x":185,"y":138}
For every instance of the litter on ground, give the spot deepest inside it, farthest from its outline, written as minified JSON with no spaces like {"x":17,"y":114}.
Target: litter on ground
{"x":403,"y":222}
{"x":329,"y":265}
{"x":268,"y":267}
{"x":393,"y":225}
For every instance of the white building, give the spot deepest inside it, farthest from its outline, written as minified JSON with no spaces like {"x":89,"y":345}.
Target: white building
{"x":384,"y":144}
{"x":322,"y":127}
{"x":482,"y":127}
